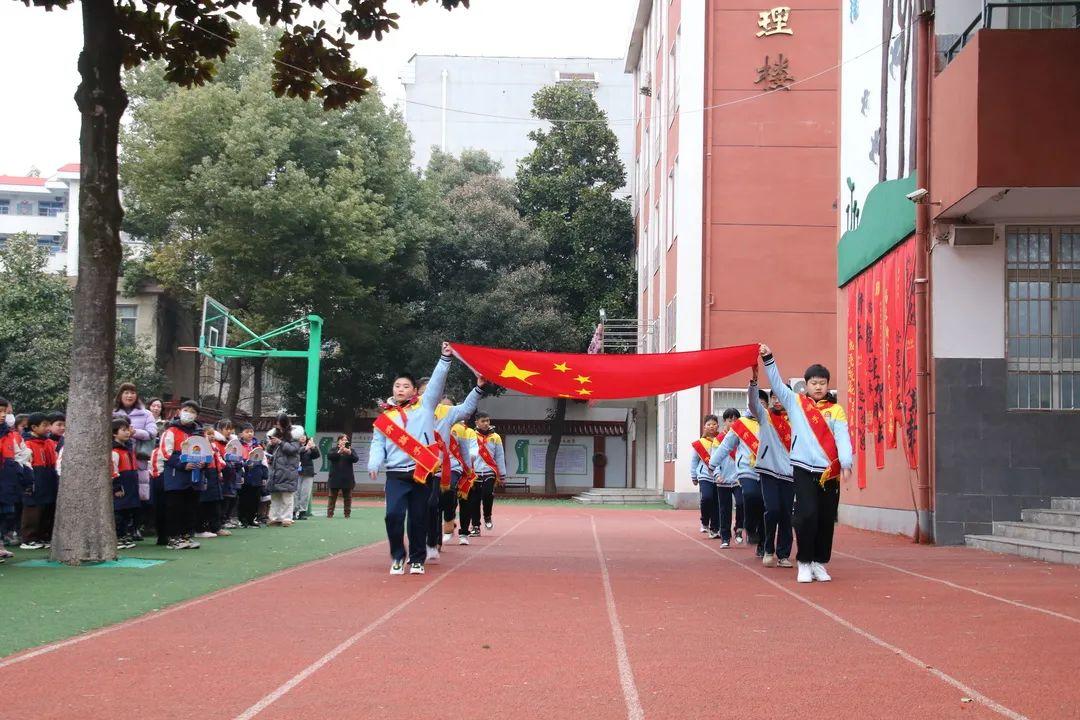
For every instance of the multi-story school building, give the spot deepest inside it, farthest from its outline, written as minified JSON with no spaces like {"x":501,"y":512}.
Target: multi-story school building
{"x":734,"y":198}
{"x":959,"y":267}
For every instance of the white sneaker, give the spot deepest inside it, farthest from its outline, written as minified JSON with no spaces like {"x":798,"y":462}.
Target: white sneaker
{"x":398,"y":568}
{"x":205,"y":535}
{"x":463,"y":540}
{"x":32,"y":545}
{"x":739,"y":537}
{"x":713,"y":534}
{"x":703,"y":529}
{"x":725,"y":545}
{"x":447,"y":537}
{"x":819,"y":572}
{"x":433,"y":554}
{"x":489,"y":525}
{"x":805,"y":574}
{"x":416,"y":569}
{"x":769,"y":560}
{"x":192,"y":545}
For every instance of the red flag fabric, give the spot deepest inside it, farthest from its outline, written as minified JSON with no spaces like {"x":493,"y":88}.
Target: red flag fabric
{"x":602,"y":376}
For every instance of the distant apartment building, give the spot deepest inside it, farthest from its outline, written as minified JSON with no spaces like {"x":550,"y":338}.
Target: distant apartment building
{"x":734,"y":197}
{"x":459,"y":102}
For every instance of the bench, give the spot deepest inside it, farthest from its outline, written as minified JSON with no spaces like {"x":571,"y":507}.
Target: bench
{"x":516,"y":483}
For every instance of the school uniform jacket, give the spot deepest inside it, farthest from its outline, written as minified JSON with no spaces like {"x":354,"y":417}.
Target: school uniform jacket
{"x":725,"y":469}
{"x":46,"y":479}
{"x":448,"y":421}
{"x":16,"y":475}
{"x":699,"y":469}
{"x":125,"y":476}
{"x":744,"y":456}
{"x":466,"y":438}
{"x":494,"y":444}
{"x":176,"y":477}
{"x":772,"y":456}
{"x":806,"y":452}
{"x":418,"y":419}
{"x":255,"y":473}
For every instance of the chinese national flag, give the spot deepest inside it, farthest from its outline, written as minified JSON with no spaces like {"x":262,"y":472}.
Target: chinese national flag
{"x":600,"y":376}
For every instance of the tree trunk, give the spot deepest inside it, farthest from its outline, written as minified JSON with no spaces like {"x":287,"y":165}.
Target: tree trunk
{"x":84,"y":530}
{"x":557,"y":424}
{"x":256,"y":385}
{"x":886,"y":47}
{"x":236,"y":379}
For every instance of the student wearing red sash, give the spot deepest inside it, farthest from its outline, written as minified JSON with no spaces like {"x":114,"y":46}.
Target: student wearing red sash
{"x":820,"y":456}
{"x":459,"y":447}
{"x":443,"y":503}
{"x":728,"y":491}
{"x":774,"y":468}
{"x":742,"y":439}
{"x":489,"y":461}
{"x":409,"y":455}
{"x":701,"y":474}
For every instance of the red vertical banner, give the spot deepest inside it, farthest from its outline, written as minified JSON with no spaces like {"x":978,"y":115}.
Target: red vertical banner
{"x":890,"y":310}
{"x":852,"y":376}
{"x":877,"y":384}
{"x":861,"y":384}
{"x":908,"y":393}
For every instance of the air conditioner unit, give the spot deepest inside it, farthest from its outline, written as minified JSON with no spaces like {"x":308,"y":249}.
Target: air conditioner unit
{"x":962,"y":235}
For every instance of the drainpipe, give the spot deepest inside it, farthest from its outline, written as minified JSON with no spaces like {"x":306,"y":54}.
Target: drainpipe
{"x":706,"y":185}
{"x":442,"y":144}
{"x":923,"y":497}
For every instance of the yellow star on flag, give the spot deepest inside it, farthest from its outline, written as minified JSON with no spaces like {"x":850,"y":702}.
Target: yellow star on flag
{"x":583,"y":391}
{"x":562,"y":367}
{"x":514,"y":372}
{"x":582,"y":379}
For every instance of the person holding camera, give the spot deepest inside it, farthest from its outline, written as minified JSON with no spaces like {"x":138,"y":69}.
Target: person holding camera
{"x":342,"y":481}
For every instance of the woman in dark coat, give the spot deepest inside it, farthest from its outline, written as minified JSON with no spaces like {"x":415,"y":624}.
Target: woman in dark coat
{"x":342,"y":458}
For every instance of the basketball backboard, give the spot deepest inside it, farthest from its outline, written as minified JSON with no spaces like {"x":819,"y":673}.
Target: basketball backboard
{"x":214,"y":329}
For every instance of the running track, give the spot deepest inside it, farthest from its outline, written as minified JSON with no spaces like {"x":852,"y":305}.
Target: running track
{"x":578,"y":613}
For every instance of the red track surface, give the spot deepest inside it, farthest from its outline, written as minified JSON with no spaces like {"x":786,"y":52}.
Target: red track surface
{"x":518,"y":625}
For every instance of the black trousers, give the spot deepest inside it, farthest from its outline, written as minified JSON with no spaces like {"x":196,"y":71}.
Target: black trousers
{"x":346,"y":499}
{"x":229,"y":507}
{"x":816,"y":508}
{"x":37,"y":522}
{"x":487,"y":496}
{"x":407,"y":505}
{"x":710,"y":506}
{"x":182,"y":508}
{"x":469,"y":510}
{"x":247,"y":504}
{"x":753,"y":511}
{"x":210,"y":516}
{"x":725,"y":496}
{"x":161,"y":514}
{"x":434,"y":505}
{"x":126,"y":522}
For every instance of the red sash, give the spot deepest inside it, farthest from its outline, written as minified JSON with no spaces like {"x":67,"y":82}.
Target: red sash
{"x":783,"y":428}
{"x":444,"y":462}
{"x":823,"y":434}
{"x":702,"y":453}
{"x":424,"y":455}
{"x":465,"y":482}
{"x":485,"y":455}
{"x":740,"y":428}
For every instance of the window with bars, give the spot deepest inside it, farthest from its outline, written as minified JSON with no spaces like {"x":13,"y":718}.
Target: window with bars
{"x":1042,"y":347}
{"x":669,"y":407}
{"x":5,"y":206}
{"x":126,"y":318}
{"x":50,"y":208}
{"x":669,"y":326}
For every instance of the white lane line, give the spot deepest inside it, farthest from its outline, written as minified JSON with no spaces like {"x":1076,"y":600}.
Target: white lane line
{"x":349,"y":642}
{"x":956,"y":586}
{"x":151,"y":615}
{"x":944,"y":677}
{"x":626,"y":673}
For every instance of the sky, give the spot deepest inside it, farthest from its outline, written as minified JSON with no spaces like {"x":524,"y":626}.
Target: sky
{"x":39,"y":123}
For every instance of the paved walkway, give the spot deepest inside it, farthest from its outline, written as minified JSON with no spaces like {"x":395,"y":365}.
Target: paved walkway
{"x":589,"y":613}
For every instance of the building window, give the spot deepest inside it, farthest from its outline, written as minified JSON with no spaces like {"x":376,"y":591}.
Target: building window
{"x":5,"y":207}
{"x":673,"y":78}
{"x":24,"y":207}
{"x":669,"y":193}
{"x":1042,"y":347}
{"x":669,"y":407}
{"x":50,"y":208}
{"x":669,"y":326}
{"x":724,"y":398}
{"x":126,"y":317}
{"x":646,"y":251}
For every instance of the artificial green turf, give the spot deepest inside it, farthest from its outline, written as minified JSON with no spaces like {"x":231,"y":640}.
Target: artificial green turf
{"x":45,"y":604}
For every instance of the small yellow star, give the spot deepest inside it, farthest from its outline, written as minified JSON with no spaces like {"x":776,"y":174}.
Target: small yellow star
{"x":562,"y":367}
{"x":582,"y":379}
{"x":583,"y":391}
{"x":514,"y":372}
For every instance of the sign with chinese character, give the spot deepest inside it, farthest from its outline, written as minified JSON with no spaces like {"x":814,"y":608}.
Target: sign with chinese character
{"x":775,"y":22}
{"x":775,"y":75}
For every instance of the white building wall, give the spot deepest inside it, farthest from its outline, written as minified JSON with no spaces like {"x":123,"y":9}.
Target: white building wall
{"x":969,"y":300}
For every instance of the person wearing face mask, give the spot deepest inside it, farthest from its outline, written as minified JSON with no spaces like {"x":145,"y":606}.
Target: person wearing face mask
{"x":181,"y":485}
{"x":820,"y":456}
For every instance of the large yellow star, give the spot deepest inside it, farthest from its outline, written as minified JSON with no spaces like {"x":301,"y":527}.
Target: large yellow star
{"x":562,"y":367}
{"x":582,"y":379}
{"x":514,"y":372}
{"x":583,"y":391}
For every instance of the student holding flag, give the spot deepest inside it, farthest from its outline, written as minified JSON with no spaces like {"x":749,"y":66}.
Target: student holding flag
{"x":742,"y":439}
{"x":774,"y":470}
{"x":820,"y":457}
{"x":489,"y":462}
{"x":701,"y":474}
{"x":442,"y":503}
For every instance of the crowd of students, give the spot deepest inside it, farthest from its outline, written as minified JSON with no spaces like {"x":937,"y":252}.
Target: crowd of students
{"x":780,"y":468}
{"x":437,"y":467}
{"x":162,"y":484}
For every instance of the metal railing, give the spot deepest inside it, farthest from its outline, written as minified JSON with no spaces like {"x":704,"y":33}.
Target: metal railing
{"x":1023,"y":16}
{"x":627,"y":335}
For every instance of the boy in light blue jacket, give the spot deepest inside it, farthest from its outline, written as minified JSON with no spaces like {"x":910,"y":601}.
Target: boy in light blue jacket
{"x":774,"y":469}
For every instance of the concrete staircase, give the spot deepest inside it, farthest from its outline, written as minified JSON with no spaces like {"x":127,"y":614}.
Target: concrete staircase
{"x":620,"y":496}
{"x":1043,"y":534}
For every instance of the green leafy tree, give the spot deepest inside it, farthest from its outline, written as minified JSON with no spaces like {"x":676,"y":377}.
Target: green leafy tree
{"x":566,"y":189}
{"x":314,"y":59}
{"x":36,"y":334}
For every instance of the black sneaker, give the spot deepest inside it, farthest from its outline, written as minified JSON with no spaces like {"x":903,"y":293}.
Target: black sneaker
{"x":475,"y":532}
{"x":416,"y":569}
{"x":137,"y":537}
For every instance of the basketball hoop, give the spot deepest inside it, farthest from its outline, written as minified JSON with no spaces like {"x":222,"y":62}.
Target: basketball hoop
{"x":188,"y":348}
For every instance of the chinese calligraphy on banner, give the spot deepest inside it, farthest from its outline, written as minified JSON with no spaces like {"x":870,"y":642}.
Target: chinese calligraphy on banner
{"x":775,"y":75}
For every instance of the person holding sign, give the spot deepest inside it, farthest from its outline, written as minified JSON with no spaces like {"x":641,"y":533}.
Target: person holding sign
{"x":820,"y":457}
{"x":489,"y":462}
{"x":403,"y":442}
{"x":182,"y":477}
